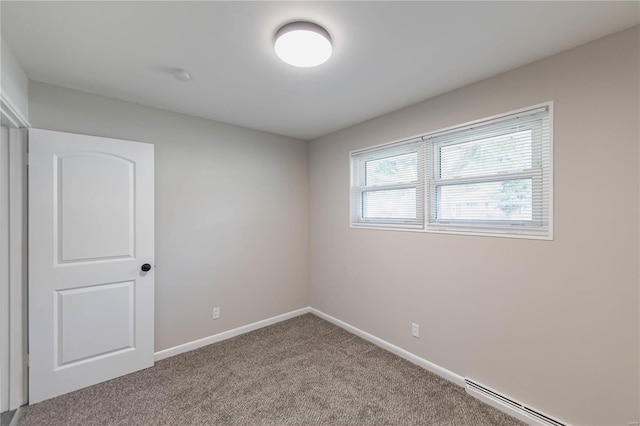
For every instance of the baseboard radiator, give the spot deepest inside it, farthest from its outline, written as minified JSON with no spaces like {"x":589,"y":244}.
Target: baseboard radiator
{"x":523,"y":410}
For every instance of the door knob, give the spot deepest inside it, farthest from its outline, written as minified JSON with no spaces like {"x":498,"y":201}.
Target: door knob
{"x":146,"y":267}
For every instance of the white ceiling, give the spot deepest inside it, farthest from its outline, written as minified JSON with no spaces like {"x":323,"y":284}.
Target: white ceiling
{"x":387,"y":55}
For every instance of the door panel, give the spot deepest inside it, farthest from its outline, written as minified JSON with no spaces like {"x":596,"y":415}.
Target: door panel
{"x":105,"y":310}
{"x":96,"y":215}
{"x":90,"y":229}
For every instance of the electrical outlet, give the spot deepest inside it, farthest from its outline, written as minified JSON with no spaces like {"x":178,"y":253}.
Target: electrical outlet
{"x":216,"y":313}
{"x":415,"y":330}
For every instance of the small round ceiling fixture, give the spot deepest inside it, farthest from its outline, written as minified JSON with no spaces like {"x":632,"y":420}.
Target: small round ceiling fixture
{"x":182,"y":75}
{"x":303,"y":44}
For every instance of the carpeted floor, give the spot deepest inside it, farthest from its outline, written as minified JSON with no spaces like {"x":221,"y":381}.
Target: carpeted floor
{"x":304,"y":371}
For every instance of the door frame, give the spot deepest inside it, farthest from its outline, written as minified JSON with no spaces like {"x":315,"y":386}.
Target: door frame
{"x":14,"y":349}
{"x":4,"y":269}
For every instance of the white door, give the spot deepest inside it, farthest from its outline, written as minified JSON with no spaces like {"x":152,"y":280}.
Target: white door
{"x":91,"y":229}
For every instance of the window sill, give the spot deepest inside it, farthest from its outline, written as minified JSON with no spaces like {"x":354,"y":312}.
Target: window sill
{"x":455,"y":231}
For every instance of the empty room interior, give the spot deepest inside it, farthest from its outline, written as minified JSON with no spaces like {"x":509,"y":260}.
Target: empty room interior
{"x":318,"y":213}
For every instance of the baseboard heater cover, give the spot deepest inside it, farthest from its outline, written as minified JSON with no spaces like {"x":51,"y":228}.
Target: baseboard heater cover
{"x":523,"y":411}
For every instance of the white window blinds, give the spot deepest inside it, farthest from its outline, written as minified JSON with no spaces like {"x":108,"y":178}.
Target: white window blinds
{"x":490,"y":177}
{"x":388,"y":185}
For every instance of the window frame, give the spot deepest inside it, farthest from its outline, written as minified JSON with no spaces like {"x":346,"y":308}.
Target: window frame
{"x":428,"y":183}
{"x":359,"y":186}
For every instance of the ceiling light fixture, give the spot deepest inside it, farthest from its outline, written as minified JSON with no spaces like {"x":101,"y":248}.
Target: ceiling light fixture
{"x":182,"y":75}
{"x":303,"y":44}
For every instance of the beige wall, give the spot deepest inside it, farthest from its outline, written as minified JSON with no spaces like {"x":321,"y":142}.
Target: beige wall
{"x":231,"y":210}
{"x":551,"y":323}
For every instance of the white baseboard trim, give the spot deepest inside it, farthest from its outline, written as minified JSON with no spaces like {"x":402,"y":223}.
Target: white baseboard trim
{"x":189,"y":346}
{"x":434,"y":368}
{"x":427,"y":365}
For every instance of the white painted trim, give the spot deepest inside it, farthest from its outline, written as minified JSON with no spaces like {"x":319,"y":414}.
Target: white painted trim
{"x":17,"y":268}
{"x":421,"y":362}
{"x":4,"y":270}
{"x":551,"y":175}
{"x":432,"y":367}
{"x":196,"y":344}
{"x":16,"y":261}
{"x":12,"y":113}
{"x":468,"y":233}
{"x":427,"y":365}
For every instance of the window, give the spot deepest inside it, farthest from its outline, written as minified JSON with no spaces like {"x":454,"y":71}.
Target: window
{"x":489,"y":177}
{"x":388,"y":186}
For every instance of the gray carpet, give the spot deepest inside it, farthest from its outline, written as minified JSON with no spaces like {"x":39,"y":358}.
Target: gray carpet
{"x":304,"y":371}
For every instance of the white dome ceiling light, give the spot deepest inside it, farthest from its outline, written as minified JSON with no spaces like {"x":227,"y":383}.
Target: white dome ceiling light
{"x":182,"y":75}
{"x":303,"y":44}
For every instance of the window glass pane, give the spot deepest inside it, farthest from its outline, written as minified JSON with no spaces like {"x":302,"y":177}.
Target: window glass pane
{"x":506,"y":153}
{"x":392,"y":170}
{"x":389,"y":204}
{"x":502,"y":200}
